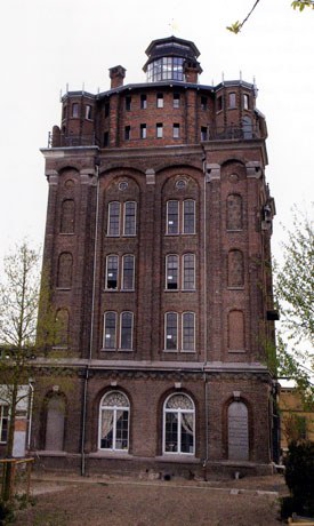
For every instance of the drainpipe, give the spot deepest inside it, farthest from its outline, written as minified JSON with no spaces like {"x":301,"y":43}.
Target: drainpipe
{"x":30,"y":413}
{"x":91,"y":337}
{"x":205,"y":310}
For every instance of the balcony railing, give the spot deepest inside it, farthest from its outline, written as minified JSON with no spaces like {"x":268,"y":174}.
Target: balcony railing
{"x":226,"y":133}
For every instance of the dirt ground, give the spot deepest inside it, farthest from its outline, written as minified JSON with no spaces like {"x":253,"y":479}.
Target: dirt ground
{"x":131,"y":502}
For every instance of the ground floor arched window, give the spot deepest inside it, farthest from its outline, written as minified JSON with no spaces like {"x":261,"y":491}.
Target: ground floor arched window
{"x":179,"y":424}
{"x":114,"y":422}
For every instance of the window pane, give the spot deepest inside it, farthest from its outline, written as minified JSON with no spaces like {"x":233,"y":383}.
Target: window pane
{"x":128,"y":272}
{"x":130,"y":218}
{"x":172,"y":272}
{"x":110,"y":330}
{"x":112,"y":272}
{"x":189,"y":216}
{"x":176,"y":131}
{"x":122,"y":429}
{"x":4,"y":420}
{"x":172,"y":217}
{"x":114,"y":219}
{"x":171,"y":331}
{"x":188,"y":330}
{"x":159,"y":131}
{"x":106,"y":431}
{"x":187,"y":438}
{"x":171,"y":434}
{"x":189,"y":272}
{"x":126,"y":330}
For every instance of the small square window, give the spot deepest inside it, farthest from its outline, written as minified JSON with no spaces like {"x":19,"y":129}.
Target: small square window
{"x":176,"y":131}
{"x":232,"y":100}
{"x":143,"y":102}
{"x":128,"y":103}
{"x":176,"y":100}
{"x":159,"y":130}
{"x":220,"y":104}
{"x":246,"y":102}
{"x":75,"y":110}
{"x":127,"y":133}
{"x":204,"y":133}
{"x":160,"y":100}
{"x":204,"y":103}
{"x":88,"y":111}
{"x":143,"y":131}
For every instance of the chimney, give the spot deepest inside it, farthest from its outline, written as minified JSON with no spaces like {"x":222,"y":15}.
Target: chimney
{"x":117,"y":75}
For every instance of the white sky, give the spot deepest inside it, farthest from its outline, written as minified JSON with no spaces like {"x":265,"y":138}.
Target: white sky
{"x":46,"y":44}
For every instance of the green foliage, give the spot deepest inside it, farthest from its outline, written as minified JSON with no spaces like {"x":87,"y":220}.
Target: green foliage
{"x":297,"y":4}
{"x":7,"y":515}
{"x":301,"y":4}
{"x":299,"y":477}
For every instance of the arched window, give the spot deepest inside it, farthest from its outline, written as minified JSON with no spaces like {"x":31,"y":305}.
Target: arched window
{"x":238,"y":431}
{"x":55,"y":424}
{"x":236,"y":331}
{"x":179,"y":425}
{"x":67,"y":217}
{"x":234,"y":212}
{"x":65,"y":264}
{"x":235,"y":268}
{"x":62,"y":327}
{"x":114,"y":422}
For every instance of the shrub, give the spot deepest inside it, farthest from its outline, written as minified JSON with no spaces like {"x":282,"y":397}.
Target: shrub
{"x":299,"y":477}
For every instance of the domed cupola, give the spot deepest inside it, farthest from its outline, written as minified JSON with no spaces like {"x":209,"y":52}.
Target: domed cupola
{"x":172,"y":58}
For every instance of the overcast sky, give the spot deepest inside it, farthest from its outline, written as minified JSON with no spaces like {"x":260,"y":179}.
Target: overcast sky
{"x":47,"y":44}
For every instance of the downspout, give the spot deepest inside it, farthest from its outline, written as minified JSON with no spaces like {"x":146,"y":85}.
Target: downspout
{"x":205,"y":313}
{"x":30,"y":414}
{"x":91,"y":338}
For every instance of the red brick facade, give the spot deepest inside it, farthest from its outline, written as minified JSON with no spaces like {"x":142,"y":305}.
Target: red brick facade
{"x":158,"y":249}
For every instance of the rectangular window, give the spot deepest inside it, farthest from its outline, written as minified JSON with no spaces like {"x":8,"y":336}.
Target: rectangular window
{"x":110,"y":327}
{"x":4,"y":423}
{"x":143,"y":131}
{"x":128,"y":271}
{"x":106,"y":139}
{"x":107,"y":109}
{"x":204,"y":133}
{"x":188,"y":272}
{"x":143,"y":102}
{"x":113,"y":219}
{"x":159,"y":130}
{"x":188,"y":332}
{"x":129,"y":227}
{"x":246,"y":102}
{"x":128,"y":100}
{"x":173,"y":217}
{"x":160,"y":100}
{"x":189,"y":216}
{"x":75,"y":110}
{"x":232,"y":100}
{"x":220,"y":103}
{"x":88,"y":111}
{"x":171,"y":343}
{"x":176,"y":131}
{"x":204,"y":103}
{"x":127,"y":133}
{"x":112,"y":268}
{"x":176,"y":100}
{"x":172,"y":272}
{"x":126,"y":332}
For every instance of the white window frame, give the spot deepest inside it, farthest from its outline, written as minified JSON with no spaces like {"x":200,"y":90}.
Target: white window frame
{"x":108,"y":335}
{"x":114,"y":409}
{"x":179,"y":412}
{"x":183,"y":329}
{"x":179,"y":221}
{"x":180,"y":270}
{"x":110,"y":269}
